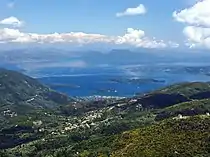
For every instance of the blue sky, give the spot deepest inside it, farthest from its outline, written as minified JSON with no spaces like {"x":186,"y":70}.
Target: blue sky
{"x":99,"y":17}
{"x":94,"y":16}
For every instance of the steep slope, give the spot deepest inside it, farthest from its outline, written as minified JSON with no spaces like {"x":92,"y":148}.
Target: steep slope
{"x":22,"y":96}
{"x":16,"y":88}
{"x":184,"y":137}
{"x":24,"y":102}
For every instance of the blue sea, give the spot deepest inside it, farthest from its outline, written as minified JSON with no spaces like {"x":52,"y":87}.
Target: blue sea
{"x":115,"y":81}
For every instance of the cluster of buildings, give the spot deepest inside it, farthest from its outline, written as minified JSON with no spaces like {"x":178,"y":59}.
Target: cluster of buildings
{"x":9,"y":113}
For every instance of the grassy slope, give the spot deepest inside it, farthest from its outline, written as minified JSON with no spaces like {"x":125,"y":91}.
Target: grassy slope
{"x":181,"y":138}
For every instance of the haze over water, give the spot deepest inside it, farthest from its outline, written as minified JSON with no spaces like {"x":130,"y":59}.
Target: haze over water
{"x":126,"y":81}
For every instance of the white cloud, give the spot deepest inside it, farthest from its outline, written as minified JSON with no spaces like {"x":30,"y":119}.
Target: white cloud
{"x":12,"y":21}
{"x":197,"y":36}
{"x":8,"y":35}
{"x":14,"y":35}
{"x":133,"y":37}
{"x":137,"y":38}
{"x":11,"y":5}
{"x":197,"y":19}
{"x":197,"y":15}
{"x":139,"y":10}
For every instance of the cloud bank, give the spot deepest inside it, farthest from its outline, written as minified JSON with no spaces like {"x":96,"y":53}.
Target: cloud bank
{"x":132,"y":37}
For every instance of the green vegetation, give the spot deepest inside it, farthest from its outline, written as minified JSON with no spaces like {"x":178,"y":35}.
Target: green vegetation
{"x":36,"y":121}
{"x":18,"y":92}
{"x":174,"y":138}
{"x":186,"y":89}
{"x":191,"y":108}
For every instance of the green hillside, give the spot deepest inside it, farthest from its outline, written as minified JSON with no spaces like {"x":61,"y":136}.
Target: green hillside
{"x":36,"y":121}
{"x":16,"y":88}
{"x":186,"y":89}
{"x":191,"y":108}
{"x":171,"y":138}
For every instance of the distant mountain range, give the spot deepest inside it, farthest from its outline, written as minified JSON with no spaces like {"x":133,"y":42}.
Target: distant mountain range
{"x":38,"y":58}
